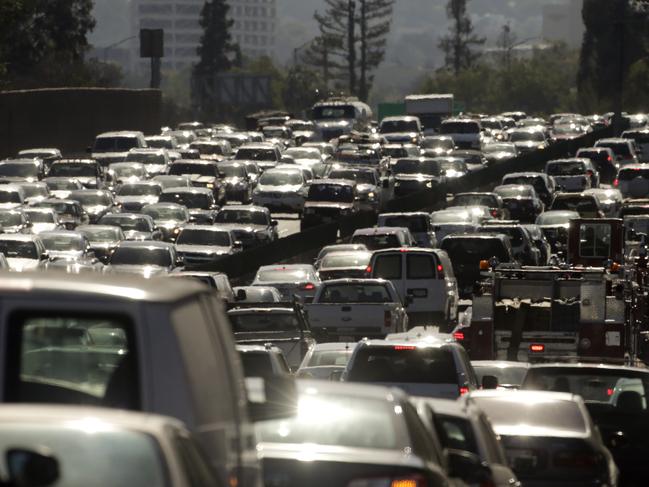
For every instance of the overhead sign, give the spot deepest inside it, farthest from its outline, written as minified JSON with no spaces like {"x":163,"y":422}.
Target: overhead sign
{"x":152,"y":43}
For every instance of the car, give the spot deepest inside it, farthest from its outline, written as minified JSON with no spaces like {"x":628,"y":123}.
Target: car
{"x":95,"y":202}
{"x":428,"y":368}
{"x":466,"y":428}
{"x":256,"y":294}
{"x":624,"y":150}
{"x":542,"y":183}
{"x":641,"y":138}
{"x":199,"y":201}
{"x":491,"y":200}
{"x":87,"y":171}
{"x":265,"y":155}
{"x":452,"y":167}
{"x":42,"y":219}
{"x":304,"y":156}
{"x":251,"y":225}
{"x":401,"y":129}
{"x":203,"y":174}
{"x":169,"y":218}
{"x":14,"y":221}
{"x":542,"y":244}
{"x":587,"y":205}
{"x":21,"y":170}
{"x":69,"y":246}
{"x":466,"y":251}
{"x":523,"y":248}
{"x":155,"y":161}
{"x":369,"y":185}
{"x":329,"y":200}
{"x":70,"y":212}
{"x":356,"y":436}
{"x":603,"y":159}
{"x":103,"y":239}
{"x":303,"y":131}
{"x":437,"y":145}
{"x":262,"y":361}
{"x":344,"y":264}
{"x":234,"y":176}
{"x":146,"y":259}
{"x":616,"y":398}
{"x":217,"y":281}
{"x":278,"y":325}
{"x":281,"y":190}
{"x":549,"y":437}
{"x":336,"y":248}
{"x":416,"y":174}
{"x":574,"y":174}
{"x":11,"y":196}
{"x":555,"y":224}
{"x":47,"y":154}
{"x":23,"y":252}
{"x":204,"y":244}
{"x":474,"y":159}
{"x":507,"y":375}
{"x":610,"y":200}
{"x":419,"y":224}
{"x":124,"y":172}
{"x":34,"y":192}
{"x":171,"y":181}
{"x":135,"y":225}
{"x":289,"y":279}
{"x":521,"y":201}
{"x":112,"y":147}
{"x":633,"y":180}
{"x":397,"y":151}
{"x":62,"y":187}
{"x":325,"y":361}
{"x":528,"y":139}
{"x":376,"y":238}
{"x":466,"y":133}
{"x":132,"y":197}
{"x":61,"y":445}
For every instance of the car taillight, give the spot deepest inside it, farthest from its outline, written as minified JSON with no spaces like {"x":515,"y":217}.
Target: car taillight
{"x":387,"y":318}
{"x":458,"y":335}
{"x":440,"y":271}
{"x":576,"y":459}
{"x":309,"y":286}
{"x":537,"y":347}
{"x":494,"y":213}
{"x":405,"y":481}
{"x":405,"y":347}
{"x":464,"y":390}
{"x":616,"y":182}
{"x":368,"y":270}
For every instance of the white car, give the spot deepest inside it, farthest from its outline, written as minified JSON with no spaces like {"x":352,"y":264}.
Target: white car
{"x":281,"y":190}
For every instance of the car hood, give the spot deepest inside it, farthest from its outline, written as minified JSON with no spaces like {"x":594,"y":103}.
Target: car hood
{"x":61,"y":194}
{"x":19,"y":264}
{"x":366,"y":188}
{"x":197,"y":178}
{"x":145,"y":271}
{"x":400,"y":136}
{"x":415,"y":177}
{"x":287,"y":188}
{"x":9,"y":206}
{"x":328,"y":204}
{"x":331,"y":124}
{"x":145,"y":200}
{"x":155,"y":168}
{"x":203,"y":249}
{"x":65,"y":254}
{"x":135,"y":235}
{"x":44,"y":227}
{"x":95,"y":209}
{"x":245,"y":227}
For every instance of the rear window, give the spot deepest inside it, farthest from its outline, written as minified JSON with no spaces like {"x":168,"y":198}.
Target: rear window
{"x":416,"y":224}
{"x":575,"y":203}
{"x":336,"y":259}
{"x":351,"y":293}
{"x":264,"y":322}
{"x":618,"y":148}
{"x":629,"y":174}
{"x":281,"y":275}
{"x":566,"y":168}
{"x":61,"y":358}
{"x":376,"y":242}
{"x":595,"y":240}
{"x":256,"y":364}
{"x":404,"y":364}
{"x":459,"y":128}
{"x":388,"y":266}
{"x":463,"y":250}
{"x":330,"y":357}
{"x":421,"y":266}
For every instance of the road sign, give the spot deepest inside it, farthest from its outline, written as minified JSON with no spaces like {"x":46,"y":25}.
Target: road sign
{"x":152,"y":43}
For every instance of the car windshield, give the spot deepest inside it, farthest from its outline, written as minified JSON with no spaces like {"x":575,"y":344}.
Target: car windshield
{"x":394,"y":126}
{"x":324,"y":112}
{"x":526,"y":136}
{"x":256,"y":154}
{"x":450,"y":217}
{"x":10,"y":219}
{"x":605,"y":391}
{"x":459,"y":128}
{"x":127,"y":457}
{"x":264,"y":322}
{"x":576,"y":203}
{"x":466,"y":251}
{"x":126,"y":171}
{"x":321,"y":358}
{"x":452,"y":165}
{"x":17,"y":249}
{"x":62,"y":184}
{"x":9,"y":196}
{"x":509,"y":375}
{"x":510,"y":414}
{"x":404,"y":364}
{"x":430,"y":143}
{"x":618,"y":148}
{"x":340,"y":421}
{"x":565,"y":168}
{"x":416,"y":224}
{"x":166,"y":213}
{"x":356,"y":293}
{"x":71,"y":169}
{"x":283,"y":275}
{"x":515,"y":192}
{"x":199,"y":201}
{"x":146,"y":158}
{"x":32,"y":190}
{"x":178,"y":169}
{"x":191,"y":236}
{"x":127,"y":224}
{"x":232,"y":171}
{"x":139,"y":190}
{"x":18,"y":169}
{"x":160,"y":143}
{"x":153,"y":256}
{"x":331,"y":192}
{"x":63,"y":242}
{"x":299,"y":153}
{"x":102,"y":234}
{"x":61,"y":208}
{"x":281,"y":178}
{"x":115,"y":144}
{"x":378,"y":241}
{"x":92,"y":199}
{"x":408,"y":166}
{"x":351,"y":259}
{"x":361,"y":177}
{"x":242,"y":216}
{"x":207,"y":149}
{"x":39,"y":216}
{"x":487,"y":200}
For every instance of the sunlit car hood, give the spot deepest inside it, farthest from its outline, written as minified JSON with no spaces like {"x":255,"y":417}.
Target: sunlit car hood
{"x":145,"y":271}
{"x":203,"y":249}
{"x":19,"y":264}
{"x":135,"y":235}
{"x":44,"y":227}
{"x":65,"y":254}
{"x":9,"y":206}
{"x":287,"y":188}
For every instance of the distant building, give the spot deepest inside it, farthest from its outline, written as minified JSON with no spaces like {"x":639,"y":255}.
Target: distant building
{"x":253,"y":29}
{"x":563,"y":22}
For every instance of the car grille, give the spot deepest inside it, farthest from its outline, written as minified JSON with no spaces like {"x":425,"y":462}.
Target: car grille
{"x":192,"y":258}
{"x":132,"y":207}
{"x":331,"y":212}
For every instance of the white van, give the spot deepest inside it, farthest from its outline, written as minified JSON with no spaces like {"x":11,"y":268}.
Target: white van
{"x":423,"y":278}
{"x":465,"y":132}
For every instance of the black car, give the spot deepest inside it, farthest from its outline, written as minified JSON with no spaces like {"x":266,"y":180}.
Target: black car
{"x":203,"y":174}
{"x":356,"y":436}
{"x":521,"y":201}
{"x":415,"y":174}
{"x":541,"y":182}
{"x":14,"y":170}
{"x":329,"y":200}
{"x":604,"y":160}
{"x":251,"y":225}
{"x":234,"y":176}
{"x":199,"y":201}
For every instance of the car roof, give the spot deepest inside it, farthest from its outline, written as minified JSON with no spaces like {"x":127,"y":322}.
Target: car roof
{"x":187,"y":189}
{"x":334,"y":346}
{"x":336,"y":182}
{"x":18,"y":237}
{"x":286,"y":267}
{"x":262,"y":209}
{"x":206,"y":228}
{"x":380,"y":231}
{"x":127,"y":216}
{"x":120,"y":133}
{"x":327,"y":388}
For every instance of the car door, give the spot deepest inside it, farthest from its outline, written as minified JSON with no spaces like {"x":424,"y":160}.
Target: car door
{"x":427,"y":291}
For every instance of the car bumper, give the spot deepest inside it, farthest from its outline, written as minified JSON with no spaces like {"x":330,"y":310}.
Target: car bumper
{"x":283,"y":203}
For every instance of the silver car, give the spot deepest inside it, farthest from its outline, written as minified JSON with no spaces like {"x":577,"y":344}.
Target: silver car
{"x":295,"y":279}
{"x":281,"y":190}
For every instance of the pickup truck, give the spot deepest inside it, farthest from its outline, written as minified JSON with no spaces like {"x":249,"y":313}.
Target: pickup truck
{"x":348,"y":310}
{"x":160,"y":346}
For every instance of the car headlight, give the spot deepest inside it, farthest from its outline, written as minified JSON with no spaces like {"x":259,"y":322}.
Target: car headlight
{"x":397,"y":183}
{"x":540,"y":146}
{"x":429,"y":184}
{"x":210,"y":185}
{"x":371,"y":195}
{"x":176,"y":231}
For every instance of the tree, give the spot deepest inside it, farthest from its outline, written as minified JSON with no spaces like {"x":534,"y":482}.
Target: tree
{"x":216,"y":49}
{"x":301,"y":88}
{"x":324,"y":53}
{"x":506,"y":43}
{"x":374,"y":21}
{"x":458,"y":43}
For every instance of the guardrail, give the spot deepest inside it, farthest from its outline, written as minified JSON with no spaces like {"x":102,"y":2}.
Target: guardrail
{"x":314,"y":238}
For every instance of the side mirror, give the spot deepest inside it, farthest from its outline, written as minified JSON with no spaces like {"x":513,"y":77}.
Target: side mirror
{"x":468,"y":467}
{"x":242,"y":295}
{"x":490,"y":382}
{"x":271,"y":398}
{"x":32,"y":468}
{"x":237,"y":245}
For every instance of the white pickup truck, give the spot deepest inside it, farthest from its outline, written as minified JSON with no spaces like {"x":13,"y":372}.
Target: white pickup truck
{"x":348,"y":310}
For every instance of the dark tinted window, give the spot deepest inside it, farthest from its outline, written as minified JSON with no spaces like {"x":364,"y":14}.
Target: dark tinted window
{"x":629,"y":174}
{"x":413,"y":223}
{"x":388,"y":266}
{"x":456,"y":433}
{"x":331,"y":192}
{"x":421,"y":266}
{"x":459,"y":128}
{"x":256,"y":364}
{"x":141,"y":256}
{"x":469,"y":250}
{"x":376,"y":242}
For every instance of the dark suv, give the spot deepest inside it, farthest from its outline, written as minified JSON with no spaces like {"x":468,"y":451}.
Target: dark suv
{"x":328,"y":200}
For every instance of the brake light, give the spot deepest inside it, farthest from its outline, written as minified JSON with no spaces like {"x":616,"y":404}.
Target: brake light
{"x":387,"y":319}
{"x":458,"y":335}
{"x":609,"y":392}
{"x":494,"y":213}
{"x":616,"y":182}
{"x":589,"y":172}
{"x":409,"y":481}
{"x":464,"y":390}
{"x":537,"y":347}
{"x":405,"y":347}
{"x":309,"y":286}
{"x":609,"y":158}
{"x":368,"y":270}
{"x":440,"y":271}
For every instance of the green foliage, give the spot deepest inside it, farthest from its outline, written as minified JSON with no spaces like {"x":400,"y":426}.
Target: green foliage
{"x":301,"y":88}
{"x":216,"y":50}
{"x":636,"y":89}
{"x":458,"y":44}
{"x":545,"y":83}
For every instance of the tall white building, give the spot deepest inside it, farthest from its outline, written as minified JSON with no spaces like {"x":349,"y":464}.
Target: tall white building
{"x":253,"y":29}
